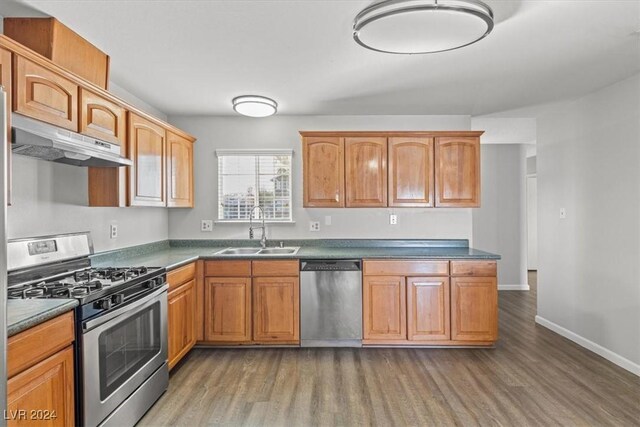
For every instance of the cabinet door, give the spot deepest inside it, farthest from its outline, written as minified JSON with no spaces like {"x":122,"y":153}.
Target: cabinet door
{"x":102,"y":119}
{"x":46,"y":388}
{"x":366,"y":172}
{"x":44,"y":95}
{"x":146,"y":149}
{"x":181,"y":321}
{"x":5,"y":82}
{"x":276,"y":309}
{"x":323,"y":169}
{"x":227,"y":309}
{"x":411,"y":172}
{"x":384,"y":308}
{"x":179,"y":171}
{"x":428,"y":305}
{"x":474,"y":309}
{"x":457,"y":172}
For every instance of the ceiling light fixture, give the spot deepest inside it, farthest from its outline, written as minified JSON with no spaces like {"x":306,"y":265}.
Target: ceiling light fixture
{"x":422,"y":26}
{"x":254,"y":105}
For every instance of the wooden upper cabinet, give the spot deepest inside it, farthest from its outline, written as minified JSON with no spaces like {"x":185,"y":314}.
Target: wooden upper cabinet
{"x":457,"y":171}
{"x":181,"y":321}
{"x":276,"y":310}
{"x":384,"y":309}
{"x":47,"y":387}
{"x":411,"y":172}
{"x":227,"y":309}
{"x":102,"y":119}
{"x":474,"y":309}
{"x":146,"y":148}
{"x":323,"y":170}
{"x":428,"y":308}
{"x":179,"y":171}
{"x":366,"y":172}
{"x":44,"y":95}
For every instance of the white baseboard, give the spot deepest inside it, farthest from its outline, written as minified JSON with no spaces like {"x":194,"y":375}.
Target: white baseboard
{"x":623,"y":362}
{"x":513,"y":287}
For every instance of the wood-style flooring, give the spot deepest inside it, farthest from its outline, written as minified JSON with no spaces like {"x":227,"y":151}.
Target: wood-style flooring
{"x":532,"y":377}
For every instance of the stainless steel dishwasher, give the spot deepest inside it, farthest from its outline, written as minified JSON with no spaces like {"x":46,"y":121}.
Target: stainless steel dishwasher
{"x":330,"y":303}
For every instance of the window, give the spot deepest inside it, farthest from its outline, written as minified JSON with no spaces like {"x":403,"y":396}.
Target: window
{"x":251,"y":178}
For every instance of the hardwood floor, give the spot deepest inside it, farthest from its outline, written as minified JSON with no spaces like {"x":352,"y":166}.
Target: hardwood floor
{"x":532,"y":377}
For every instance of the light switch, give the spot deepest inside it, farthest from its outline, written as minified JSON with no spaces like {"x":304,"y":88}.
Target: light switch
{"x":393,"y":219}
{"x":327,"y":220}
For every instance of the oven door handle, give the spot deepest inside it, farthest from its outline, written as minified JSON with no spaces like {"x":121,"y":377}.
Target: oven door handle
{"x":137,"y":304}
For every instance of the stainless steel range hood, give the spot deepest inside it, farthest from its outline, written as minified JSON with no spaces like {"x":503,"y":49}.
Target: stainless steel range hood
{"x":46,"y":142}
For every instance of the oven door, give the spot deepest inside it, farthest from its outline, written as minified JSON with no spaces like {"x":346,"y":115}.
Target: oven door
{"x":120,"y":350}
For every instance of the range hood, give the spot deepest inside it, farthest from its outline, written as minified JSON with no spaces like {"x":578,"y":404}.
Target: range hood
{"x":46,"y":142}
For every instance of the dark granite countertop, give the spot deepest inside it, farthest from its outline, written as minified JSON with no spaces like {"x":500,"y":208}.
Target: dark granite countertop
{"x":23,"y":314}
{"x":176,"y":253}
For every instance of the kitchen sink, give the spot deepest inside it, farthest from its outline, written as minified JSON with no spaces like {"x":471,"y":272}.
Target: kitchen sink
{"x":278,"y":251}
{"x":258,"y":251}
{"x":238,"y":251}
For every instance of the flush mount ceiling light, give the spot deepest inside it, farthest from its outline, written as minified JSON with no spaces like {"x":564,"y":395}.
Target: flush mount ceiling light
{"x":254,"y":106}
{"x":422,"y":26}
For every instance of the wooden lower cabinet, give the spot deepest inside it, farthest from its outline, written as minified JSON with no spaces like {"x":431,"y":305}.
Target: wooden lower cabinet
{"x":474,"y":308}
{"x":428,"y":316}
{"x":384,"y":308}
{"x":227,"y":309}
{"x":45,"y":391}
{"x":182,"y":321}
{"x":276,"y":310}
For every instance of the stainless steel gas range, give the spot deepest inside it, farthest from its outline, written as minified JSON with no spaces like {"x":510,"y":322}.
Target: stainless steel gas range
{"x":121,"y":323}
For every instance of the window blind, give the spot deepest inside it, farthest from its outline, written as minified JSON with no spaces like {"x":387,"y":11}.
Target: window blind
{"x":251,"y":178}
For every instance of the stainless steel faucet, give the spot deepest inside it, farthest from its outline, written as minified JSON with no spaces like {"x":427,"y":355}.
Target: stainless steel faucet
{"x":263,"y":239}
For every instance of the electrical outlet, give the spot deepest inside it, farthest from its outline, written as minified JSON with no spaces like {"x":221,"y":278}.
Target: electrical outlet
{"x":393,"y":219}
{"x":563,"y":213}
{"x":327,"y":220}
{"x":314,"y":225}
{"x":206,"y":225}
{"x":113,"y":231}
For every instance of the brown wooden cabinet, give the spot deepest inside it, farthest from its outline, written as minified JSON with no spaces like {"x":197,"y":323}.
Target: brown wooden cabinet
{"x":46,"y":388}
{"x":179,"y":171}
{"x":411,"y":171}
{"x":147,"y":150}
{"x":474,"y":309}
{"x":276,"y":310}
{"x":366,"y":172}
{"x":181,"y":312}
{"x":44,"y":95}
{"x":428,"y":309}
{"x":323,"y":172}
{"x":40,"y":368}
{"x":384,"y":308}
{"x":457,"y":171}
{"x":102,"y":119}
{"x":227,"y":309}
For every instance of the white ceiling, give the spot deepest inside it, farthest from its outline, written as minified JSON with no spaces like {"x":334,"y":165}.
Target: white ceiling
{"x":193,"y":57}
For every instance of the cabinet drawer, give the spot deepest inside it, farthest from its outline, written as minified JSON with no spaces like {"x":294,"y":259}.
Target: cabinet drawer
{"x":33,"y":345}
{"x":474,"y":268}
{"x":406,"y":268}
{"x":181,"y":275}
{"x":227,"y":268}
{"x":276,"y":268}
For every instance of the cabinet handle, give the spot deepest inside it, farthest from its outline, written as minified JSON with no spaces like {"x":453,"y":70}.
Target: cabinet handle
{"x":427,"y":283}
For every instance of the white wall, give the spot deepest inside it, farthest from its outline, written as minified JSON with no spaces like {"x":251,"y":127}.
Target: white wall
{"x":588,"y":161}
{"x":282,"y":132}
{"x":500,"y":224}
{"x":532,"y":223}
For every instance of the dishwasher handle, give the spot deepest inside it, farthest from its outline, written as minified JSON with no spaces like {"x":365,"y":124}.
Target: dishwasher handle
{"x":331,"y":265}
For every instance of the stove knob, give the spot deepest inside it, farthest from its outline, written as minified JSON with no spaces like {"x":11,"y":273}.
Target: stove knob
{"x":104,"y":304}
{"x":117,"y":299}
{"x":150,"y":284}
